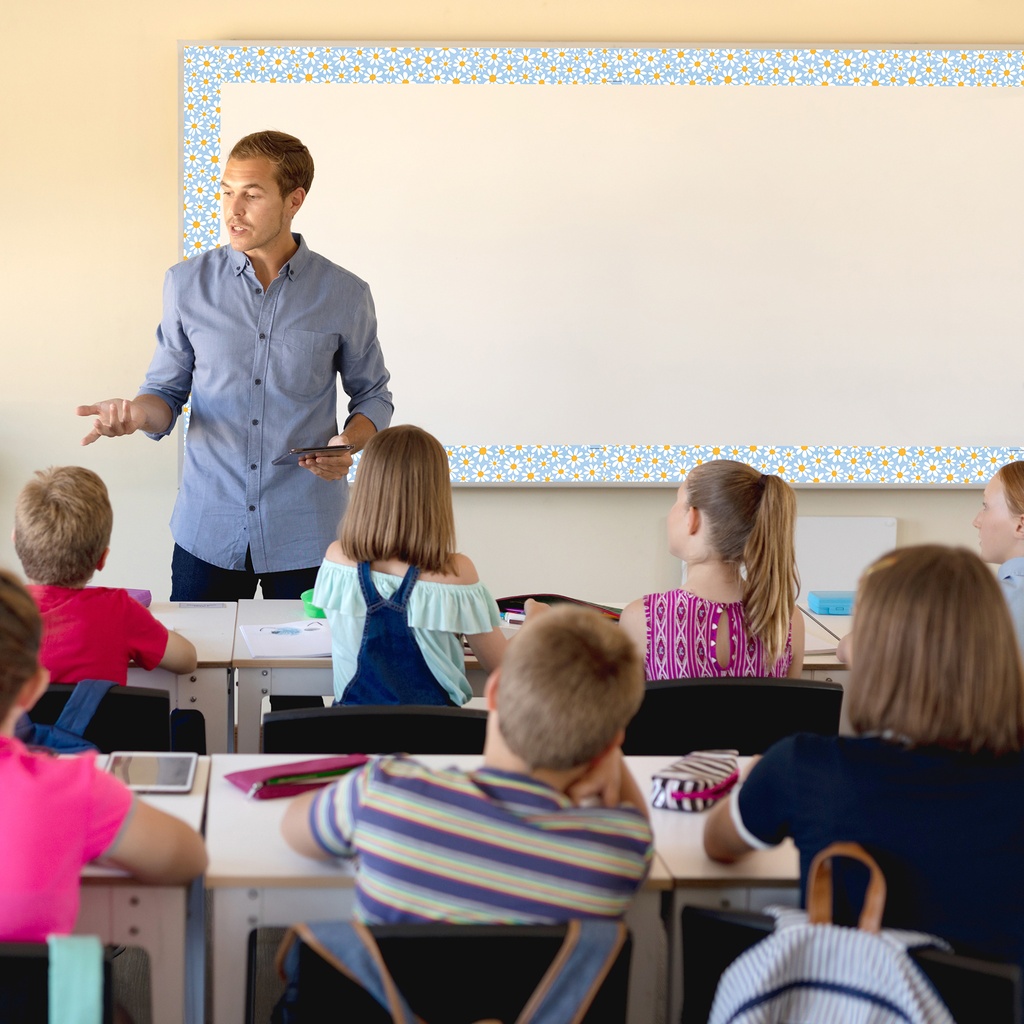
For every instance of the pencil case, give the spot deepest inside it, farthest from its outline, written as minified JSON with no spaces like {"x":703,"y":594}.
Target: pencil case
{"x":282,"y":780}
{"x":696,"y":781}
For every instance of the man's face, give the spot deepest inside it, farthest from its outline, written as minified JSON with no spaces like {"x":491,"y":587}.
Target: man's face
{"x":257,"y":216}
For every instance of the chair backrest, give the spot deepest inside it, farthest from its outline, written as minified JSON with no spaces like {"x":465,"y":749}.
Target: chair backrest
{"x":976,"y":991}
{"x":747,"y":715}
{"x":455,"y":974}
{"x":128,"y":717}
{"x":24,"y":983}
{"x":372,"y":729}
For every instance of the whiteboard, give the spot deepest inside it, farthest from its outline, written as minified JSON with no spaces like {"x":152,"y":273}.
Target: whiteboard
{"x":782,"y":275}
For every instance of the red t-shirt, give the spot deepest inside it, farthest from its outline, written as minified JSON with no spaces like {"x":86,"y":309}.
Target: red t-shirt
{"x":93,"y":632}
{"x":59,"y":813}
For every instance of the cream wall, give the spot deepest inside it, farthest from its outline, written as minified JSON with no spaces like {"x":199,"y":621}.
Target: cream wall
{"x":91,"y":193}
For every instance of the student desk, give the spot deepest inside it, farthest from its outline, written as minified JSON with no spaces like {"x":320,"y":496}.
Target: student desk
{"x":767,"y":876}
{"x":261,"y":677}
{"x":255,"y":880}
{"x":165,"y":920}
{"x":211,"y":627}
{"x":257,"y":678}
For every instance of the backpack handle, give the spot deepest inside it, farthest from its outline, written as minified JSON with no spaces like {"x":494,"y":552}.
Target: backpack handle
{"x":819,"y":886}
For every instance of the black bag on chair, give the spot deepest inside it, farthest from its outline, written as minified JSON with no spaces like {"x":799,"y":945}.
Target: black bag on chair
{"x":559,"y":978}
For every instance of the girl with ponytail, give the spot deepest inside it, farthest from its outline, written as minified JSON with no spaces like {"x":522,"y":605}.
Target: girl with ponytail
{"x":736,"y":613}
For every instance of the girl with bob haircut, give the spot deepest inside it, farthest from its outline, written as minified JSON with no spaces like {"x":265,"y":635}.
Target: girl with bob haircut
{"x":1000,"y":526}
{"x":396,"y":594}
{"x":734,"y":616}
{"x":932,"y":784}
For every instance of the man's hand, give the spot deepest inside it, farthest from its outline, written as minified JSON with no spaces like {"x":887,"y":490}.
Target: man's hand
{"x":330,"y":467}
{"x":114,"y":417}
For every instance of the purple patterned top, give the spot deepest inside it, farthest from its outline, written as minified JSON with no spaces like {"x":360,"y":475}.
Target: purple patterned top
{"x":682,"y":631}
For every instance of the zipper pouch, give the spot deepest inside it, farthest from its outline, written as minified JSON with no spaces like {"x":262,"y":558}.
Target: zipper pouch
{"x":281,"y":780}
{"x":696,"y":781}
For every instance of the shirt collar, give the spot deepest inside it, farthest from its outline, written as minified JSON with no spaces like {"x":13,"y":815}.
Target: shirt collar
{"x":300,"y":259}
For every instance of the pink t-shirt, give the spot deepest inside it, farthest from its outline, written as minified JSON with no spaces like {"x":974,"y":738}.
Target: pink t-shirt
{"x":682,"y":640}
{"x":93,"y":633}
{"x":57,"y":814}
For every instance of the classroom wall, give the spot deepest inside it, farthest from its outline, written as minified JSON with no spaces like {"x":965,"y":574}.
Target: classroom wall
{"x":91,"y":193}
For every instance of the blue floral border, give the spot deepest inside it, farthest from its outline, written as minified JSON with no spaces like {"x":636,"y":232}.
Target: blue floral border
{"x":206,"y":66}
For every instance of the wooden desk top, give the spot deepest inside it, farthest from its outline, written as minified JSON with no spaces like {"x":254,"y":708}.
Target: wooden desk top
{"x":247,"y":850}
{"x":679,"y":840}
{"x":269,"y":613}
{"x":209,"y":625}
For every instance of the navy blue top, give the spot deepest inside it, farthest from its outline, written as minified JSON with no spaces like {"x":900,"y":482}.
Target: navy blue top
{"x":946,"y":828}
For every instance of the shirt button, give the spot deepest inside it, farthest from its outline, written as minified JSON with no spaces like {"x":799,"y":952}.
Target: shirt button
{"x":263,"y":337}
{"x":255,"y":423}
{"x":258,"y":381}
{"x":252,"y":465}
{"x":252,"y":508}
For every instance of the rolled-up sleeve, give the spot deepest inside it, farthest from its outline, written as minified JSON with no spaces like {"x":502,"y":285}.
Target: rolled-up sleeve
{"x":364,"y":376}
{"x":169,"y":376}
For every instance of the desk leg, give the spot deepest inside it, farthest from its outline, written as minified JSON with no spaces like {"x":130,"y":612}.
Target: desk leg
{"x":154,"y":918}
{"x":237,"y":911}
{"x":253,"y":685}
{"x":648,"y":965}
{"x":211,"y":691}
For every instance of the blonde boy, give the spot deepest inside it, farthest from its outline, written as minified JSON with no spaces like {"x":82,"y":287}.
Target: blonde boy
{"x":552,"y":826}
{"x":62,"y":525}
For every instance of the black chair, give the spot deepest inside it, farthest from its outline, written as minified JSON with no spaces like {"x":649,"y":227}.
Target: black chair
{"x":24,"y":994}
{"x":491,"y":972}
{"x":128,"y":717}
{"x":976,"y":991}
{"x":375,"y":729}
{"x":747,"y":715}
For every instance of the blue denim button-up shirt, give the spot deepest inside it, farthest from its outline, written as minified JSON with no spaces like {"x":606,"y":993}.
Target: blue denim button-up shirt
{"x":262,"y":370}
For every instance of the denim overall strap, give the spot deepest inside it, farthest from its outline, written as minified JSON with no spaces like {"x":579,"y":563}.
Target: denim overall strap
{"x":391,"y":668}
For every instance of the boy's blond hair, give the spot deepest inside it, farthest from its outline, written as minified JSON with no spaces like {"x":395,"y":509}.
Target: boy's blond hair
{"x":569,"y":682}
{"x":20,"y":633}
{"x":935,"y":658}
{"x":62,"y":525}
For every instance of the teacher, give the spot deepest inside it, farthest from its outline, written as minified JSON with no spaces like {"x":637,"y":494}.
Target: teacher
{"x":258,"y":334}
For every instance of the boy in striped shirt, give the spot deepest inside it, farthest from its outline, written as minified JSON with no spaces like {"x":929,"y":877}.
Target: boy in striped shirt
{"x":551,"y":827}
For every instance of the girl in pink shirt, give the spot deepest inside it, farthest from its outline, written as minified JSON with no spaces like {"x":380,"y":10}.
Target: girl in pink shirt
{"x":736,"y":613}
{"x":57,"y":814}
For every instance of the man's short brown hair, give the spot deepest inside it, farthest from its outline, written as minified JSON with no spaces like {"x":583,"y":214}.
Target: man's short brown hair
{"x":20,"y":633}
{"x":293,"y":164}
{"x":62,"y":525}
{"x":569,"y":682}
{"x":935,"y":659}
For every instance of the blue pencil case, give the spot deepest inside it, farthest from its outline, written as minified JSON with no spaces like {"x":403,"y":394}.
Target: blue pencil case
{"x":831,"y":602}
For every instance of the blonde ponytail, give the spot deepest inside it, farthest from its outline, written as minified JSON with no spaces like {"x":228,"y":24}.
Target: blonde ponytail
{"x":772,"y":581}
{"x":751,"y":521}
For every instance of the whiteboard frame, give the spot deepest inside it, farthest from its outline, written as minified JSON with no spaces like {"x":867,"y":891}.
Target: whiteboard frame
{"x":206,"y":65}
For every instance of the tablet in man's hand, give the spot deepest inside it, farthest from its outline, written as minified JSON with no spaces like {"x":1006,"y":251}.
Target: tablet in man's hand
{"x":293,"y":455}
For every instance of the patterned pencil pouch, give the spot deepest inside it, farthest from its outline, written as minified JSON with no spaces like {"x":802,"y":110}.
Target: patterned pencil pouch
{"x":696,"y":781}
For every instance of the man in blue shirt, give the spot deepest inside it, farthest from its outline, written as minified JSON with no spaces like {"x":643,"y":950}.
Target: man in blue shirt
{"x":258,"y":334}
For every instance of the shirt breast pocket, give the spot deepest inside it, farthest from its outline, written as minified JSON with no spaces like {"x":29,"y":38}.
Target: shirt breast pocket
{"x":304,"y":362}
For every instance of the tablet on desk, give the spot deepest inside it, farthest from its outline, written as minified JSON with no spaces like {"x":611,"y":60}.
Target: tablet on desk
{"x":148,"y":772}
{"x":294,"y":454}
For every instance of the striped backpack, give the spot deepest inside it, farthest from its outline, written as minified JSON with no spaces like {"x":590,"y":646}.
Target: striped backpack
{"x":809,"y":969}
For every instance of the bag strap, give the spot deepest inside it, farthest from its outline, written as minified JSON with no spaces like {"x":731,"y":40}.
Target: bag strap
{"x":82,"y":704}
{"x":577,"y":972}
{"x":819,"y":886}
{"x":75,"y":979}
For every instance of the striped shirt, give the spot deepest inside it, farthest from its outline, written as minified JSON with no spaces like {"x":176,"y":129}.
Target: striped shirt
{"x":478,"y":847}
